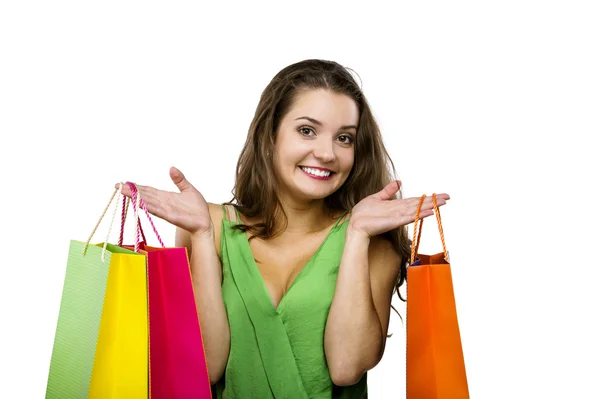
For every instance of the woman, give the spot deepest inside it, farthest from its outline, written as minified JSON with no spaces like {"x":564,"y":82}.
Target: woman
{"x":294,"y":277}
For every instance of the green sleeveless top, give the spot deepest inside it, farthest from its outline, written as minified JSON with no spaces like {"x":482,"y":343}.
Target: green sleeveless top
{"x":279,"y":352}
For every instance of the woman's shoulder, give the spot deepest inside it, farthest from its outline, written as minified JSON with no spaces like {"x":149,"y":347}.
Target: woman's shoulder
{"x":216,"y":212}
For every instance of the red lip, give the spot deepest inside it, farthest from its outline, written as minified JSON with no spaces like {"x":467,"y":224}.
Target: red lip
{"x":317,"y":177}
{"x":317,"y":167}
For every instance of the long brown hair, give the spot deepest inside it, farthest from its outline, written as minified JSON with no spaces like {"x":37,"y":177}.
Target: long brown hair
{"x":255,"y":190}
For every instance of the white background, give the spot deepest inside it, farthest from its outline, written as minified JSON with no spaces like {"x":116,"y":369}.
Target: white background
{"x":495,"y":103}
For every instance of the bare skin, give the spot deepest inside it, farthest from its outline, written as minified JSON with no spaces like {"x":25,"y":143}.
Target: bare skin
{"x":358,"y":320}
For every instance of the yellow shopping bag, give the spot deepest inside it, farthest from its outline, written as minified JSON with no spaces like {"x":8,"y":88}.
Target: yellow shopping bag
{"x":121,"y":362}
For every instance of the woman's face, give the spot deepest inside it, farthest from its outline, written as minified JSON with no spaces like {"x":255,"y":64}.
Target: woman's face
{"x":314,"y":146}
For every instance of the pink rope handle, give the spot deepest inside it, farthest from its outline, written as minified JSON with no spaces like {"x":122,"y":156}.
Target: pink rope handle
{"x":135,"y":192}
{"x":124,"y":206}
{"x":136,"y":206}
{"x":124,"y":210}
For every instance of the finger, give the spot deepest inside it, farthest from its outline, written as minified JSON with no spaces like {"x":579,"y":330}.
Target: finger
{"x":148,"y":195}
{"x":405,"y":210}
{"x":151,"y":198}
{"x":442,"y":196}
{"x":152,"y":201}
{"x":402,"y":219}
{"x":425,"y":213}
{"x":428,"y":201}
{"x":156,"y":208}
{"x":147,"y":192}
{"x":158,"y":203}
{"x":440,"y":200}
{"x":125,"y":189}
{"x":165,"y":211}
{"x":179,"y":179}
{"x":389,"y":190}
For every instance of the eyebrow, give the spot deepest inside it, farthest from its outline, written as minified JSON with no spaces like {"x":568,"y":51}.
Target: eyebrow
{"x":316,"y":122}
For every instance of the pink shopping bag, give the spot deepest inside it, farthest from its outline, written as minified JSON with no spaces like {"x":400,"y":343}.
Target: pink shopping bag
{"x":177,"y":364}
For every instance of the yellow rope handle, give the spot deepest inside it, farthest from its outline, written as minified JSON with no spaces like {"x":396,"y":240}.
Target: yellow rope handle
{"x":87,"y":243}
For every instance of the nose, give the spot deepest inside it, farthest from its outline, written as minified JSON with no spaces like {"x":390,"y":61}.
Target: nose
{"x":324,"y":149}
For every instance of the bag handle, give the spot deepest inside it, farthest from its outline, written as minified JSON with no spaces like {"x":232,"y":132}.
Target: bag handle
{"x":136,"y":201}
{"x":139,"y":203}
{"x":125,"y":208}
{"x":418,"y":227}
{"x":114,"y":194}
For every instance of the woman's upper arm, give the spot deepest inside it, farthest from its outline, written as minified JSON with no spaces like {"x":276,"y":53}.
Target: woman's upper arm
{"x":183,"y":237}
{"x":384,"y":267}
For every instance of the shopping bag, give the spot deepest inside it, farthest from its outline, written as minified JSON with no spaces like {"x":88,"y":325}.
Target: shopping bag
{"x":101,"y":340}
{"x":177,"y":359}
{"x":435,"y":367}
{"x":121,"y":362}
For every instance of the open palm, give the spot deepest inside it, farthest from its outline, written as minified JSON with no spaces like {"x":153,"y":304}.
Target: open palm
{"x":382,"y":212}
{"x":186,"y":209}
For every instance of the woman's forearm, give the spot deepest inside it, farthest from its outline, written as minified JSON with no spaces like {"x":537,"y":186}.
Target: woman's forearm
{"x":207,"y":277}
{"x":353,"y":334}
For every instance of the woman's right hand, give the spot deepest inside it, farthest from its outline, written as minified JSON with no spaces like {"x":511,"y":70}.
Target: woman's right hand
{"x":187,"y":209}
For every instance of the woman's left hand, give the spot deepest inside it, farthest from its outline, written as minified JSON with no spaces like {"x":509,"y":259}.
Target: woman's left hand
{"x":382,"y":212}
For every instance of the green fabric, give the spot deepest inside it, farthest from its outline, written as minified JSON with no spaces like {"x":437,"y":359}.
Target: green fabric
{"x":79,"y":320}
{"x":279,"y":353}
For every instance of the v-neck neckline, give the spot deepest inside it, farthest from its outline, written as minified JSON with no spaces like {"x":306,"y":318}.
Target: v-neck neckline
{"x":248,"y":254}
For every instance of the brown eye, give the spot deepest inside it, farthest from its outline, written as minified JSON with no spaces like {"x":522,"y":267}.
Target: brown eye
{"x":346,"y":138}
{"x":305,"y":131}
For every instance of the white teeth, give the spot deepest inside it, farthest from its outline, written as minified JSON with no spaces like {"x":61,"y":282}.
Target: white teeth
{"x":316,"y":172}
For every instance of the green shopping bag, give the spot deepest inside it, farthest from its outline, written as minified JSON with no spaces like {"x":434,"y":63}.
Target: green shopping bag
{"x":85,"y":354}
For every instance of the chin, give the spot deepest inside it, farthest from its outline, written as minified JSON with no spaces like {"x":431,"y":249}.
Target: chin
{"x":314,"y":192}
{"x":314,"y":196}
{"x":306,"y":188}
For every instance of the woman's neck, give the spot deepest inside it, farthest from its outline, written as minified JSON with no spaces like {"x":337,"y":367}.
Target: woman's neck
{"x":306,"y":217}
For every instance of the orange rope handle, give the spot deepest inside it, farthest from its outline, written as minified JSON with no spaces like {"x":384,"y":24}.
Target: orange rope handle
{"x":416,"y":232}
{"x":436,"y":210}
{"x":418,"y":228}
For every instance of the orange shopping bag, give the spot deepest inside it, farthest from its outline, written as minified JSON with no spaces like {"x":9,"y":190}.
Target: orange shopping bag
{"x":435,"y":367}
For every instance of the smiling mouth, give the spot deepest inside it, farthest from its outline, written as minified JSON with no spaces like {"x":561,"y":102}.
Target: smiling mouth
{"x":317,"y":173}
